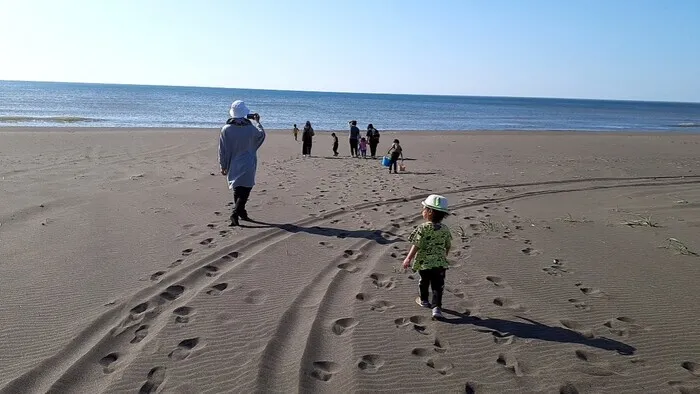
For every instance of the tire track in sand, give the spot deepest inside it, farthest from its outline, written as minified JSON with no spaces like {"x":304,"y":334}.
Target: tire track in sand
{"x":78,"y":357}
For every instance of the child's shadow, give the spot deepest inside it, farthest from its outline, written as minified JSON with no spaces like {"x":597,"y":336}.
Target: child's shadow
{"x":536,"y":330}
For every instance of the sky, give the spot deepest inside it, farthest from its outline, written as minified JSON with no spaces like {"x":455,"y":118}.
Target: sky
{"x":622,"y":49}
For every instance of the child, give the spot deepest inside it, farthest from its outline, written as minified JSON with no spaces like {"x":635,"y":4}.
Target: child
{"x":335,"y":144}
{"x":363,"y":147}
{"x":296,"y":132}
{"x":431,"y":242}
{"x":395,"y":152}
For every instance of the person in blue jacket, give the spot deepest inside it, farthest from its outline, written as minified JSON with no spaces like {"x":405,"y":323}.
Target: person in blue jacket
{"x":239,"y":142}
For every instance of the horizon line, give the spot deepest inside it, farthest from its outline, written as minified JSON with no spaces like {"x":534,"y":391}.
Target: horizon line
{"x":348,"y":92}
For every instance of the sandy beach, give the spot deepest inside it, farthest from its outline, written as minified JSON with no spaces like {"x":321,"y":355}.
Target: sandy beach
{"x":574,"y":267}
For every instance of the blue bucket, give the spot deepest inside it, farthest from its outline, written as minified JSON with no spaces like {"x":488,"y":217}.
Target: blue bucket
{"x":386,"y":161}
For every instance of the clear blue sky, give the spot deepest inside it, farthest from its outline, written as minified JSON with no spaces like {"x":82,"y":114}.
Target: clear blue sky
{"x":619,"y":49}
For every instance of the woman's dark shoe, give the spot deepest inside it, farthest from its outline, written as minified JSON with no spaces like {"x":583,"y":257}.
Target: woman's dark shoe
{"x":234,"y":220}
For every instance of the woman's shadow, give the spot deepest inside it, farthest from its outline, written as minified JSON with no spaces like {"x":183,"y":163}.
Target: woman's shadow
{"x":371,"y":235}
{"x":535,"y":330}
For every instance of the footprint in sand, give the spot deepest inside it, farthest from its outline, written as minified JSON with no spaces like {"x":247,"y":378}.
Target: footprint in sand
{"x":509,"y":304}
{"x":154,"y":379}
{"x":685,"y":387}
{"x":349,"y":267}
{"x":187,"y":252}
{"x":623,"y":326}
{"x":324,"y":370}
{"x":468,"y":308}
{"x":577,"y":327}
{"x":496,"y":281}
{"x":217,"y":289}
{"x":138,"y":310}
{"x":512,"y":364}
{"x":530,"y":252}
{"x":206,"y":241}
{"x":381,"y":306}
{"x":420,"y":324}
{"x":326,"y":244}
{"x":182,"y":314}
{"x":421,"y":352}
{"x":223,"y":233}
{"x":381,"y":280}
{"x":441,"y":345}
{"x":441,"y":365}
{"x":402,"y":322}
{"x":370,"y":363}
{"x":230,"y":256}
{"x":692,"y":367}
{"x":175,"y":263}
{"x":568,"y":388}
{"x":457,"y":292}
{"x":595,"y":365}
{"x":501,"y":338}
{"x":172,"y":293}
{"x":591,"y":291}
{"x":343,"y":326}
{"x":140,"y":334}
{"x":157,"y":275}
{"x":578,"y":304}
{"x":210,"y":270}
{"x":107,"y":362}
{"x":255,"y":297}
{"x":184,"y":349}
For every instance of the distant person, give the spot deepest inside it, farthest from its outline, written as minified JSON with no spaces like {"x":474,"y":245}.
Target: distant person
{"x":335,"y":144}
{"x":307,"y":139}
{"x":395,"y":152}
{"x":354,"y":138}
{"x":295,"y":132}
{"x":373,"y":138}
{"x":239,"y":142}
{"x":363,"y":147}
{"x":430,"y":245}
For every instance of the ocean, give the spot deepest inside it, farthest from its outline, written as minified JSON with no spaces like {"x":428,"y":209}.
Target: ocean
{"x":53,"y":104}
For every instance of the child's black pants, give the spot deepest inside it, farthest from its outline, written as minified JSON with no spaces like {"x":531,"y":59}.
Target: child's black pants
{"x":435,"y":278}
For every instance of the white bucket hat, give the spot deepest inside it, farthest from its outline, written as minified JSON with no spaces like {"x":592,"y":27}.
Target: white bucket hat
{"x":436,"y":202}
{"x":238,"y":109}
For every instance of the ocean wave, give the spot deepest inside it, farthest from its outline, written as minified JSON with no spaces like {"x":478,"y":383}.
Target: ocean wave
{"x":46,"y":119}
{"x":687,"y":124}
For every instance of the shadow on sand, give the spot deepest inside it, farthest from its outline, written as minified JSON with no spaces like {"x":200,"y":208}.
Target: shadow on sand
{"x":371,"y":235}
{"x":536,"y":330}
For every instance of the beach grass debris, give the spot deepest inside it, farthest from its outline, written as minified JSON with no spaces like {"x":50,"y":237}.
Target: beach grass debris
{"x":462,"y":233}
{"x":571,"y":219}
{"x":643,"y":221}
{"x":679,"y":247}
{"x":489,"y":226}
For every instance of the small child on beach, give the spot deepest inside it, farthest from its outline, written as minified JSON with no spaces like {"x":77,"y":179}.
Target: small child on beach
{"x":394,"y":153}
{"x":295,"y":131}
{"x":431,"y":243}
{"x":335,"y":144}
{"x":363,"y":147}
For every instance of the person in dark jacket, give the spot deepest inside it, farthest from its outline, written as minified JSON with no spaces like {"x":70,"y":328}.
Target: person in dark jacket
{"x":373,"y":139}
{"x":307,"y":139}
{"x":354,"y":138}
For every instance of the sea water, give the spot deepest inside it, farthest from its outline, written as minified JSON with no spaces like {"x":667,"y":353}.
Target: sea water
{"x":52,"y":104}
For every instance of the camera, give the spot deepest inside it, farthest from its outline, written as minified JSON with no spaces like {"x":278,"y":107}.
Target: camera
{"x":253,"y":116}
